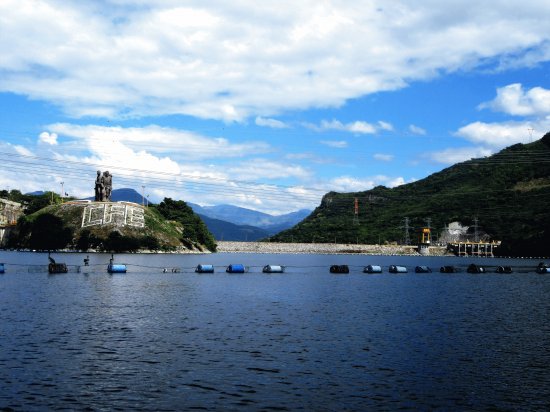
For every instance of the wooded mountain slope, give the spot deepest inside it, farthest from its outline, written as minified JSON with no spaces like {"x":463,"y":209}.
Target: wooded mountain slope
{"x":509,"y":194}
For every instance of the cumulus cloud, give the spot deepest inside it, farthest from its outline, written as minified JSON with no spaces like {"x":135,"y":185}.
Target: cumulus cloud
{"x":514,"y":100}
{"x":156,"y":139}
{"x":237,"y":60}
{"x":532,"y":105}
{"x":48,"y":138}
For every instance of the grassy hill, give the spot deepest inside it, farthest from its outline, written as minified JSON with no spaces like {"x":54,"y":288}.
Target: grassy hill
{"x":169,"y":226}
{"x":508,"y":193}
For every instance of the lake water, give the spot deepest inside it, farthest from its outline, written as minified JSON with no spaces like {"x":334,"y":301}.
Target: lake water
{"x":302,"y":340}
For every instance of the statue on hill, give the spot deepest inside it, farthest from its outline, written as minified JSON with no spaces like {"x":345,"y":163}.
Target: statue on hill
{"x":108,"y":182}
{"x":103,"y":186}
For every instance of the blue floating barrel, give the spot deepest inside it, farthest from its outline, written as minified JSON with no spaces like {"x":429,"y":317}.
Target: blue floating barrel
{"x":205,"y":269}
{"x":235,"y":268}
{"x":397,"y":269}
{"x":339,"y":269}
{"x":504,"y":269}
{"x":116,"y":268}
{"x":447,"y":269}
{"x":273,"y":269}
{"x":542,"y":269}
{"x":2,"y":269}
{"x":423,"y":269}
{"x":372,"y":269}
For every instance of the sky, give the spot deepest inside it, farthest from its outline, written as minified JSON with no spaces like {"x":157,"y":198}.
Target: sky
{"x":266,"y":105}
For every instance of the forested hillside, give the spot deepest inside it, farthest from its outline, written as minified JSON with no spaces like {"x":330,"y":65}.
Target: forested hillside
{"x":508,"y":193}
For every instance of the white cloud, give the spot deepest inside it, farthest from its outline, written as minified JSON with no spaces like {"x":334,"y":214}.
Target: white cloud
{"x":385,"y":126}
{"x":383,"y":157}
{"x":417,"y":130}
{"x":457,"y":155}
{"x":48,"y":138}
{"x":156,"y":139}
{"x":513,"y":100}
{"x":337,"y":144}
{"x":499,"y":135}
{"x":237,"y":60}
{"x":353,"y":184}
{"x":357,"y":127}
{"x":22,"y":150}
{"x":273,"y":123}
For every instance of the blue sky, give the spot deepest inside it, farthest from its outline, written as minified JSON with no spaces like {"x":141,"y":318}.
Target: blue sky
{"x":266,"y":105}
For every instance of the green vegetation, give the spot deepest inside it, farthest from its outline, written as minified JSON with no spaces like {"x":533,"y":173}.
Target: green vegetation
{"x":170,"y":226}
{"x":194,"y":230}
{"x":508,"y":192}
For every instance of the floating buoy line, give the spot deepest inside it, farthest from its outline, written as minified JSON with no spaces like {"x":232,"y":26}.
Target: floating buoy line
{"x":238,"y":268}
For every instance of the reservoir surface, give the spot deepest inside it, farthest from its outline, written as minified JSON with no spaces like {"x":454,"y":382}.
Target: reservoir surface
{"x":306,"y":339}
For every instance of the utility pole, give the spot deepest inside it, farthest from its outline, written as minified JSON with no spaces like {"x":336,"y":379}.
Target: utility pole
{"x":356,"y":212}
{"x":143,"y":195}
{"x":407,"y":240}
{"x":476,"y":234}
{"x":530,"y":134}
{"x":62,"y":191}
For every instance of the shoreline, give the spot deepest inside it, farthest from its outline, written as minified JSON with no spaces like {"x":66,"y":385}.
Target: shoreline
{"x":324,"y":248}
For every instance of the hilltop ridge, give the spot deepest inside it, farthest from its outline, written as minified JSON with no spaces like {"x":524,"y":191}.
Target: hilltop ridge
{"x":505,"y":196}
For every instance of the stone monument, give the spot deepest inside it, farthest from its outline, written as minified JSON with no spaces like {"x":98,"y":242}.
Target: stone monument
{"x":103,"y":186}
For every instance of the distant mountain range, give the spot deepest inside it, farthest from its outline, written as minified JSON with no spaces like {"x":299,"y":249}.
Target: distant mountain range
{"x":228,"y":222}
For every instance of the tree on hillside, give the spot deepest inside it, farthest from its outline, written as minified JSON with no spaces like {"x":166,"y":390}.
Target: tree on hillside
{"x":194,"y":227}
{"x":49,"y":233}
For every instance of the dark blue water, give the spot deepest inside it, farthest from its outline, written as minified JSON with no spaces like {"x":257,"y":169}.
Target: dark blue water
{"x":302,"y":340}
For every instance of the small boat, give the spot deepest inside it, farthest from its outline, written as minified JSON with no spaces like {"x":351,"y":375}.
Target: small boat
{"x":235,"y":268}
{"x":473,"y":268}
{"x":2,"y":269}
{"x":448,"y":269}
{"x":504,"y":269}
{"x":273,"y":269}
{"x":339,"y":269}
{"x":423,"y":269}
{"x":397,"y":269}
{"x":372,"y":269}
{"x":204,"y":269}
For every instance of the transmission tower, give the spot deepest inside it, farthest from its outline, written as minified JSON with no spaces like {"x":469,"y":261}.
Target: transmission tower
{"x":356,"y":212}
